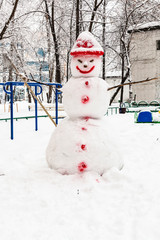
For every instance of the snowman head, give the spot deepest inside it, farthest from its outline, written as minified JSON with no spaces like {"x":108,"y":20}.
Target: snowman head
{"x":85,"y":66}
{"x":86,"y":60}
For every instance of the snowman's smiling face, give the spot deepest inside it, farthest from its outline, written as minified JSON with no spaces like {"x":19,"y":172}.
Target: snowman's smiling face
{"x":85,"y":66}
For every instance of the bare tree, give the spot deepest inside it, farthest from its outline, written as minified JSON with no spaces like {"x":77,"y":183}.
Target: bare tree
{"x":77,"y":17}
{"x":95,"y":8}
{"x":3,"y":31}
{"x":50,"y":60}
{"x":1,"y":2}
{"x":104,"y":39}
{"x":51,"y":19}
{"x":70,"y":38}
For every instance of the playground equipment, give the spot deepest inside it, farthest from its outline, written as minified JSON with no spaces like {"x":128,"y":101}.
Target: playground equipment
{"x":144,"y":117}
{"x":147,"y":116}
{"x":37,"y":91}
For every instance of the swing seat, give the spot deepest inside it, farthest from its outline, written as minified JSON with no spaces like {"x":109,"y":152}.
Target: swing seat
{"x":144,"y":117}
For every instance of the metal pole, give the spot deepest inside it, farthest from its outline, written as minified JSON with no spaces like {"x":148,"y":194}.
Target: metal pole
{"x":36,"y":118}
{"x":11,"y":107}
{"x":56,"y":101}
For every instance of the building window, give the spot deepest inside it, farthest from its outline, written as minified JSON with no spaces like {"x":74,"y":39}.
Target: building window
{"x":158,"y":44}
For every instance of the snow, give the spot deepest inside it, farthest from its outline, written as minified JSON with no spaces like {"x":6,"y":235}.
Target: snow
{"x":38,"y":203}
{"x":142,"y":26}
{"x":156,"y":116}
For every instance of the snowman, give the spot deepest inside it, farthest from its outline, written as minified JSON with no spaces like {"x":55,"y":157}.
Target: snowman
{"x":82,"y":141}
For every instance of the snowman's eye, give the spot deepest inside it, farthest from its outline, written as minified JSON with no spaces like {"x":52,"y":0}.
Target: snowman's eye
{"x":92,"y":60}
{"x":79,"y":60}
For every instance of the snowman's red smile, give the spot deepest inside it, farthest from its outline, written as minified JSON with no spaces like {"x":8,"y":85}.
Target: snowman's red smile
{"x":84,"y":72}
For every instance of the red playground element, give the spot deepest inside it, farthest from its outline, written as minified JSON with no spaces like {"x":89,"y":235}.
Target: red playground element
{"x":85,"y":72}
{"x":82,"y":166}
{"x":85,"y":99}
{"x":83,"y":147}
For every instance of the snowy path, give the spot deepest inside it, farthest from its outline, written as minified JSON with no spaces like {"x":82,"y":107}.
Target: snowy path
{"x":38,"y":204}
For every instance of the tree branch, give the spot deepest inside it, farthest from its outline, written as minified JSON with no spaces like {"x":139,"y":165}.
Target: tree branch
{"x":96,"y":6}
{"x":9,"y":20}
{"x":130,"y":83}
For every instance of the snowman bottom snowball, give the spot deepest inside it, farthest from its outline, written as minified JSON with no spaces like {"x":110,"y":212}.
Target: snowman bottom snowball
{"x":81,"y":145}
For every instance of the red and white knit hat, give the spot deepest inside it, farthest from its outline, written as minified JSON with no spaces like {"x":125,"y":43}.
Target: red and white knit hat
{"x":86,"y":44}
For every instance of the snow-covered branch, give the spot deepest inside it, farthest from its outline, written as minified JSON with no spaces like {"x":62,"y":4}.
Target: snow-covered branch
{"x":9,"y":20}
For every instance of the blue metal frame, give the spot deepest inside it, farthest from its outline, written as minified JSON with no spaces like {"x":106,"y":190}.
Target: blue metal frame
{"x":36,"y":112}
{"x":57,"y":92}
{"x":36,"y":86}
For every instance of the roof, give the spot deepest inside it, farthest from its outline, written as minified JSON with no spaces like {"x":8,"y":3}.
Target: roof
{"x":144,"y":27}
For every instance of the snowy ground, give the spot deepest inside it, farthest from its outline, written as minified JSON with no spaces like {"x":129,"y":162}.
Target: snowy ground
{"x":36,"y":203}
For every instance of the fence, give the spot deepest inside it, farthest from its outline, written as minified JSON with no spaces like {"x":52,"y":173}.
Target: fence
{"x":112,"y":110}
{"x":153,"y":106}
{"x":37,"y":91}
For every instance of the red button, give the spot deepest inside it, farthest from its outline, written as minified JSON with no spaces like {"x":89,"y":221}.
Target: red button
{"x":83,"y":147}
{"x":87,"y":83}
{"x":82,"y":166}
{"x":86,"y":118}
{"x":85,"y":99}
